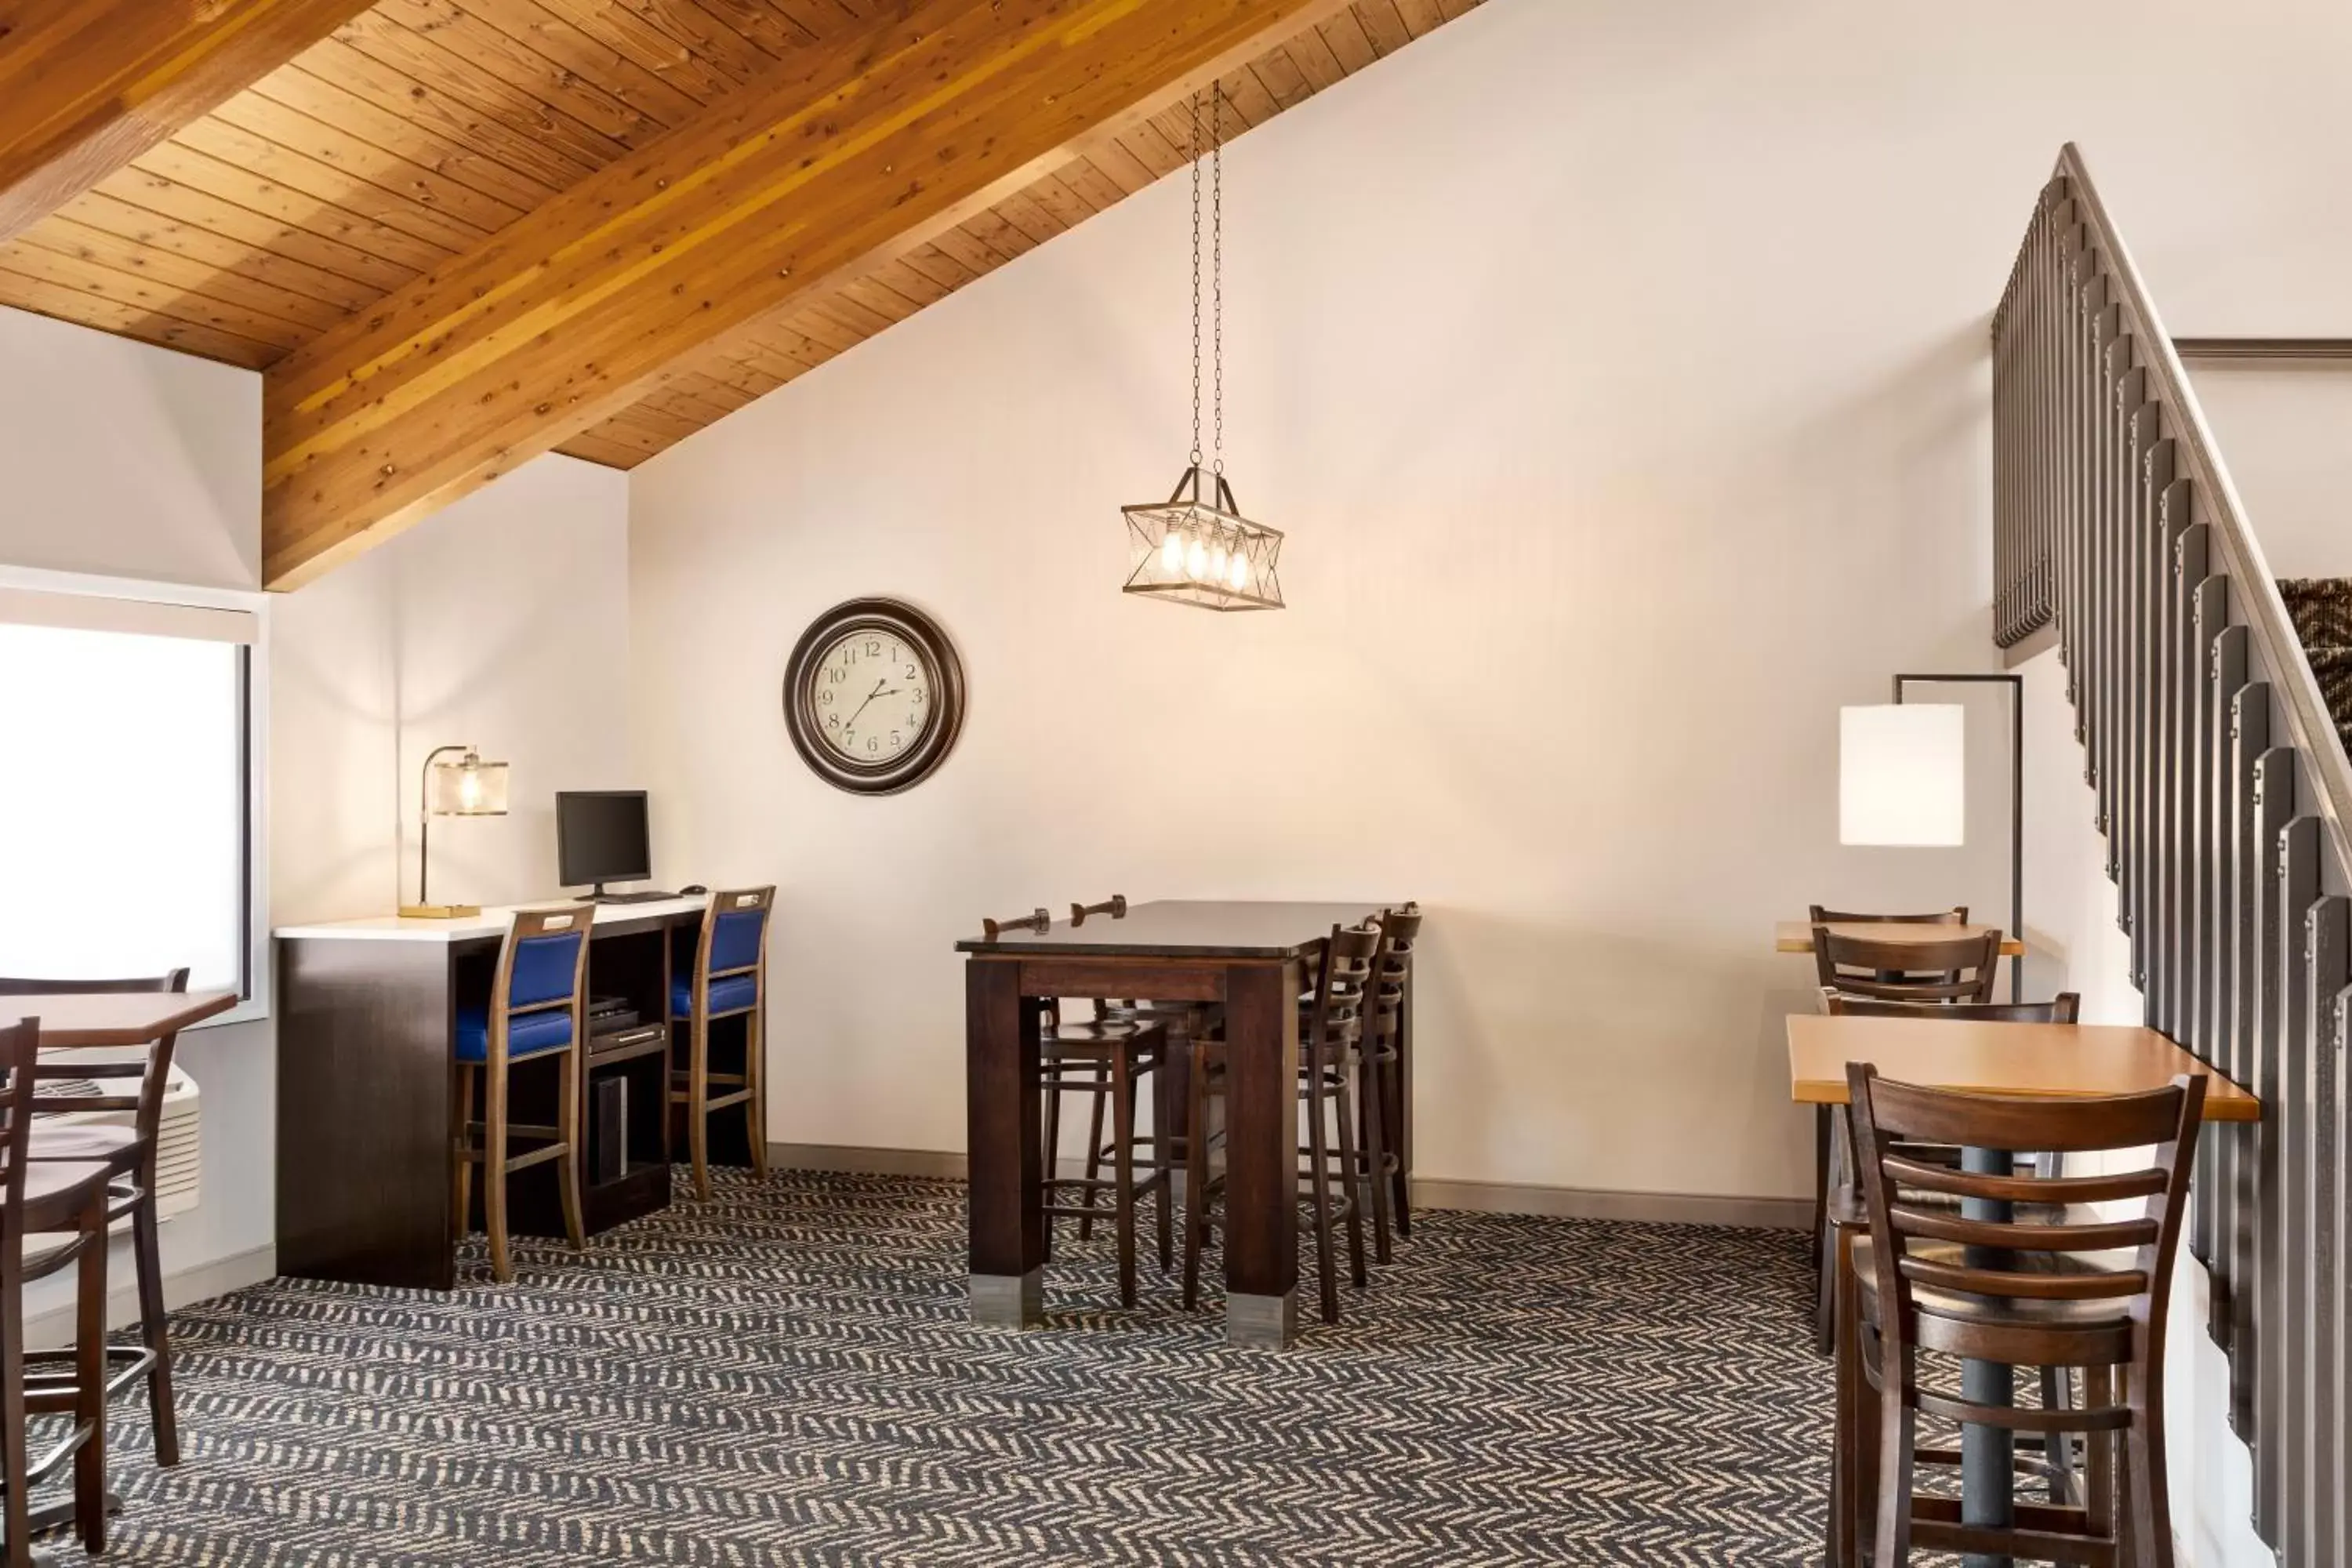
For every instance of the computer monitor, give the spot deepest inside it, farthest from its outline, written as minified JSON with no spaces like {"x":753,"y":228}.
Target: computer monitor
{"x":600,"y":838}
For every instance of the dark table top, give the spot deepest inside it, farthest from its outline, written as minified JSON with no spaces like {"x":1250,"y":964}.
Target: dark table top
{"x":1185,"y":928}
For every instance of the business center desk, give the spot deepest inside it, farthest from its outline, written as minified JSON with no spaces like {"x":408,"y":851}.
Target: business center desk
{"x":366,"y":1013}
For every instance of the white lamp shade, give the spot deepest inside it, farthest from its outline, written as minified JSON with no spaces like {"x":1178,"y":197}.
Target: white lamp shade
{"x":1902,"y":774}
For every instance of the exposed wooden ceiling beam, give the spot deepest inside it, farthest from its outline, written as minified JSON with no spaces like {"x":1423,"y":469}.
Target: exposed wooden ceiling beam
{"x":87,"y":85}
{"x":854,"y":151}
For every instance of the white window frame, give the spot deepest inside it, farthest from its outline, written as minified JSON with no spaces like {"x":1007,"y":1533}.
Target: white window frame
{"x":259,"y":979}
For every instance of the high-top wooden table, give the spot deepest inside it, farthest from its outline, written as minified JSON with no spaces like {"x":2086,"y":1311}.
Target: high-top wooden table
{"x":2057,"y":1060}
{"x":1250,"y":957}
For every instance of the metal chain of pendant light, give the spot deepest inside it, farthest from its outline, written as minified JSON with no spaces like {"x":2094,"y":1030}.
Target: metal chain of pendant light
{"x":1196,"y":548}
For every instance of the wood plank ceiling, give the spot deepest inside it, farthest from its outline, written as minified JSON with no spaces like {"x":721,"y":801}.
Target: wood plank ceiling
{"x":421,"y":128}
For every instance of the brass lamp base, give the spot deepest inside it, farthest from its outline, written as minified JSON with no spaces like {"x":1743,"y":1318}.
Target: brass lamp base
{"x":440,"y":911}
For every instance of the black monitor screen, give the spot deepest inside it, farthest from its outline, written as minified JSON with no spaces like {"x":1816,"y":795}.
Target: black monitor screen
{"x":600,"y":837}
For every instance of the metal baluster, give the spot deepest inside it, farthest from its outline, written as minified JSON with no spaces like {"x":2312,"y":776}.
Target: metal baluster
{"x":2274,"y":806}
{"x":2287,"y":1223}
{"x":2320,"y":1376}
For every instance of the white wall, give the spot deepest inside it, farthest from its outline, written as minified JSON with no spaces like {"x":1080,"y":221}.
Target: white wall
{"x":502,"y":623}
{"x":2285,"y":434}
{"x":1619,"y":375}
{"x":126,"y":460}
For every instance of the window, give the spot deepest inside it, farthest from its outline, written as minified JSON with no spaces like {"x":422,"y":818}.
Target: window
{"x":125,"y":789}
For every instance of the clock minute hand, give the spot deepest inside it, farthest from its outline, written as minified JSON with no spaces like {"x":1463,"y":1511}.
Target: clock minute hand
{"x":863,"y":705}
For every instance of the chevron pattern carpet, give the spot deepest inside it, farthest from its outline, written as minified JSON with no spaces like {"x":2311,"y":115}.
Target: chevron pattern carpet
{"x":786,"y":1375}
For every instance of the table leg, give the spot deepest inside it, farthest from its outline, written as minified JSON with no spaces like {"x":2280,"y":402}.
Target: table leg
{"x":1260,"y":1154}
{"x":1007,"y":1161}
{"x":1988,"y":1465}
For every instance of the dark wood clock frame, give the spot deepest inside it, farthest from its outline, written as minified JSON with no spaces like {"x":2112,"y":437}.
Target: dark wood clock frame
{"x":931,"y":648}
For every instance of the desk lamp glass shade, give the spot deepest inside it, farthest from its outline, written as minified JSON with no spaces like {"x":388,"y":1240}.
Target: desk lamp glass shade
{"x":1902,"y":774}
{"x":466,"y":787}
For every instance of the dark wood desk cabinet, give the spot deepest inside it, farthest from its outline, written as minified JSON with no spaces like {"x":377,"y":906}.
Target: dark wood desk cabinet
{"x":366,"y":1015}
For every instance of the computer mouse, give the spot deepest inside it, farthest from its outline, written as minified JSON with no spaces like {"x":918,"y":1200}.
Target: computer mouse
{"x":691,"y":889}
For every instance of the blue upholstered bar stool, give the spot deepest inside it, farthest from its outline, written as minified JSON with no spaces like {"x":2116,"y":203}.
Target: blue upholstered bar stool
{"x":729,"y":979}
{"x":537,"y":1007}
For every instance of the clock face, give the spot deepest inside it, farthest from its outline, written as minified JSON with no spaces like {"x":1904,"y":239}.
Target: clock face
{"x":874,"y":698}
{"x":873,"y":695}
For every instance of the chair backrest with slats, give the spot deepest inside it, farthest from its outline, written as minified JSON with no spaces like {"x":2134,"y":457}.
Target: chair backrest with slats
{"x":2037,"y":1255}
{"x":1393,"y":969}
{"x":1343,"y":979}
{"x":734,"y":940}
{"x":1958,"y":915}
{"x":1948,"y":969}
{"x":2063,"y":1008}
{"x":153,"y":1071}
{"x":542,"y":968}
{"x":20,"y":1045}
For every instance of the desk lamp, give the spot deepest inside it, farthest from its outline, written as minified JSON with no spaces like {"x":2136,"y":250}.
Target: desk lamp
{"x":467,"y":787}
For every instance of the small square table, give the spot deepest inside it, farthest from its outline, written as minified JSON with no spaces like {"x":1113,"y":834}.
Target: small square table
{"x":1797,"y":936}
{"x":2053,"y":1060}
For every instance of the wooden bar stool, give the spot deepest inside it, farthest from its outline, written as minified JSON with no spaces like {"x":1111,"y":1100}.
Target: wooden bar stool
{"x":1331,"y":1063}
{"x":1380,"y":1101}
{"x":537,"y":1008}
{"x":48,"y":1199}
{"x":1107,"y":1060}
{"x":128,"y":1151}
{"x":2021,"y":1291}
{"x":1957,"y":970}
{"x":728,"y":980}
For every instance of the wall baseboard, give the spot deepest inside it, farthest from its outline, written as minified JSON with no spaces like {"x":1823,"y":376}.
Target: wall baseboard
{"x":1429,"y":1191}
{"x":55,"y":1328}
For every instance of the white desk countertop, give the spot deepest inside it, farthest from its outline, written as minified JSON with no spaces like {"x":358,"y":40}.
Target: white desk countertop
{"x":490,"y":923}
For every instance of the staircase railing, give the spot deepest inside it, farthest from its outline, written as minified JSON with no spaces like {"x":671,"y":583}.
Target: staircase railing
{"x":2223,"y":788}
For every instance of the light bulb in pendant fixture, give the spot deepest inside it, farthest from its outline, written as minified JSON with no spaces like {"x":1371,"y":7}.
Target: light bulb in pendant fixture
{"x":1196,"y":559}
{"x":1172,"y":552}
{"x":1217,"y":563}
{"x":1239,"y":575}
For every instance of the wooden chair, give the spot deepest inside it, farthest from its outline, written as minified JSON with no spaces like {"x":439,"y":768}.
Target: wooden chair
{"x":729,"y":979}
{"x":1958,"y":915}
{"x":1383,"y":1079}
{"x":1960,"y":969}
{"x":1950,"y":969}
{"x":129,"y":1154}
{"x":2024,"y":1291}
{"x":1106,"y":1060}
{"x":48,"y":1199}
{"x":1331,"y":1063}
{"x":538,"y":1007}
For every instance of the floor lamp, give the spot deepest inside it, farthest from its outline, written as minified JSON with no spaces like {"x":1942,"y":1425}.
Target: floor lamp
{"x":1902,"y":780}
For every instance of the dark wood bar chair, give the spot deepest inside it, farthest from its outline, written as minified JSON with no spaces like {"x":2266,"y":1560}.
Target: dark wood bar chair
{"x":729,"y":979}
{"x":1331,"y":1063}
{"x":1956,"y":970}
{"x":64,"y":1203}
{"x":128,"y":1151}
{"x":1381,"y":1100}
{"x":1106,"y":1060}
{"x":1846,"y":1220}
{"x":2031,"y":1290}
{"x":537,"y":1009}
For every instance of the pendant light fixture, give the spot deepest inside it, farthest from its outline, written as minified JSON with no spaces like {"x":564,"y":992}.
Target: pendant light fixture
{"x":1196,"y":548}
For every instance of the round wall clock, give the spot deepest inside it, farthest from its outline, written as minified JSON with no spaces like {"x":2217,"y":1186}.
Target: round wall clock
{"x":873,"y":695}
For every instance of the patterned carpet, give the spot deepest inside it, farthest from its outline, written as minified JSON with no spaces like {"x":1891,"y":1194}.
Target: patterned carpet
{"x":786,"y":1376}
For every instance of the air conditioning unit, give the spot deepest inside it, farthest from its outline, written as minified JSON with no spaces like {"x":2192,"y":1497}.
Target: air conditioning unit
{"x":179,"y":1152}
